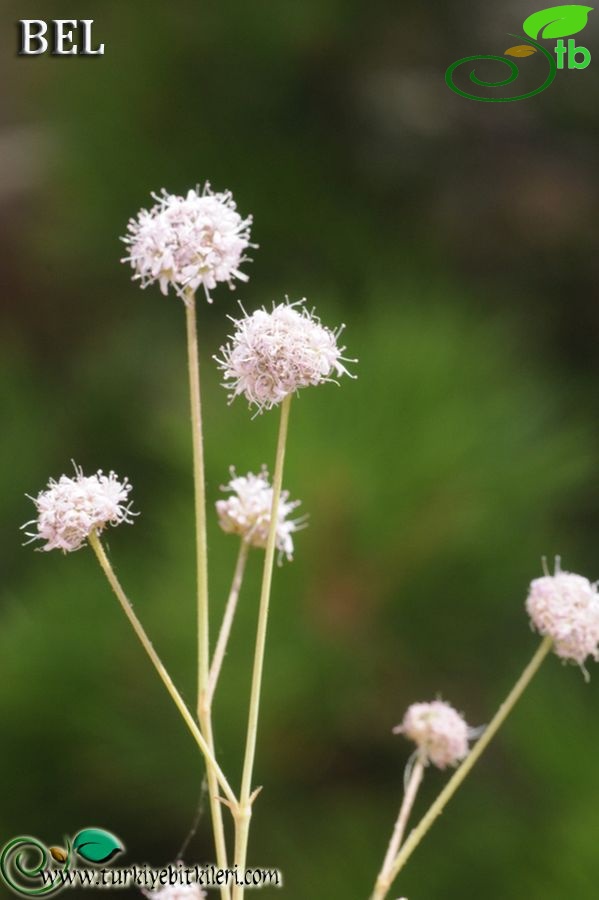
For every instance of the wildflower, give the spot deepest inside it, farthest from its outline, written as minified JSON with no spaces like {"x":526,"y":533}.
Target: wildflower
{"x":438,"y":730}
{"x":71,"y":508}
{"x":273,"y":354}
{"x":565,"y":607}
{"x":185,"y":242}
{"x":247,"y":512}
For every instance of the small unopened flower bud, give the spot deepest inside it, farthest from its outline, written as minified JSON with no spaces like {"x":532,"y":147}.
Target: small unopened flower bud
{"x":247,"y":512}
{"x":440,"y":733}
{"x":185,"y":242}
{"x":565,"y":607}
{"x":71,"y":508}
{"x":273,"y":354}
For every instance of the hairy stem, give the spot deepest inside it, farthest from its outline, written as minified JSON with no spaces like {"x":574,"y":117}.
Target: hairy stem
{"x":244,"y":811}
{"x":204,"y":711}
{"x":384,"y":878}
{"x":225,"y":629}
{"x":460,"y":773}
{"x":125,"y":603}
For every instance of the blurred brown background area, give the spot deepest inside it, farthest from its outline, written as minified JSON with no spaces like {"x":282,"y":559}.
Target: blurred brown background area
{"x":458,"y":242}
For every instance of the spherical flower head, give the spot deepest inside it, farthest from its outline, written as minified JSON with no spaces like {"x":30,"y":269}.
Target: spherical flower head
{"x":71,"y":508}
{"x":565,"y":607}
{"x":178,"y":892}
{"x":185,"y":242}
{"x":440,"y":733}
{"x":273,"y":354}
{"x":246,"y":512}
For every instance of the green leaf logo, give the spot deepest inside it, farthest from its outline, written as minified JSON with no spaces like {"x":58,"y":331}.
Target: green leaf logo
{"x":557,"y":21}
{"x":96,"y":845}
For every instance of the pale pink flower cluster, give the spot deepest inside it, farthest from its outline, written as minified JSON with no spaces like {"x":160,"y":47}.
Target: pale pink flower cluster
{"x":185,"y":242}
{"x":178,"y":892}
{"x":71,"y":508}
{"x":566,"y":608}
{"x":247,"y":512}
{"x":440,"y":733}
{"x":273,"y":354}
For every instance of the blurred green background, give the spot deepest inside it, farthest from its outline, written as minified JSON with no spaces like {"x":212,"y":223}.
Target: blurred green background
{"x":458,"y":242}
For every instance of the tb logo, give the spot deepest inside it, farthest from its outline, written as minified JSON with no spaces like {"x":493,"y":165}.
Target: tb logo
{"x":572,"y":51}
{"x":554,"y":22}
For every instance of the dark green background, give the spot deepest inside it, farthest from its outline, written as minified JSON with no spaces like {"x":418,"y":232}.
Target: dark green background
{"x":459,"y":243}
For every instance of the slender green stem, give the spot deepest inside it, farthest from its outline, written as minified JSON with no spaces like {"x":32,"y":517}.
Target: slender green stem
{"x":244,"y":811}
{"x":225,"y":629}
{"x":460,"y":773}
{"x":200,"y":496}
{"x":384,"y":879}
{"x":204,"y":712}
{"x":125,"y":603}
{"x":216,"y":811}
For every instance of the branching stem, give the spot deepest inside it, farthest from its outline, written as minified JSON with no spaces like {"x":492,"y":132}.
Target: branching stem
{"x":464,"y":769}
{"x":225,"y":629}
{"x":125,"y":603}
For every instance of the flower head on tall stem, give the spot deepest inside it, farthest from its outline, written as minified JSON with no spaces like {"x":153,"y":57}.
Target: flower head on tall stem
{"x":70,"y":509}
{"x":271,"y":355}
{"x":185,"y":242}
{"x":177,"y":892}
{"x":440,"y":733}
{"x":565,"y":607}
{"x":247,"y":512}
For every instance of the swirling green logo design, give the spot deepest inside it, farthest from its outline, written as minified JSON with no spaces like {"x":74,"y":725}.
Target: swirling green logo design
{"x":555,"y":22}
{"x":26,"y":863}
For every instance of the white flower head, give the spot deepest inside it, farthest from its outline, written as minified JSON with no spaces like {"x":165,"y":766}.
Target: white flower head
{"x":565,"y":607}
{"x":185,"y":242}
{"x":71,"y":508}
{"x":440,"y":733}
{"x":178,"y":892}
{"x":273,"y":354}
{"x":246,"y":512}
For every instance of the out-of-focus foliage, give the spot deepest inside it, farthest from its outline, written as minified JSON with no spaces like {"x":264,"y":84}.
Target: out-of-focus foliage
{"x":457,"y":243}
